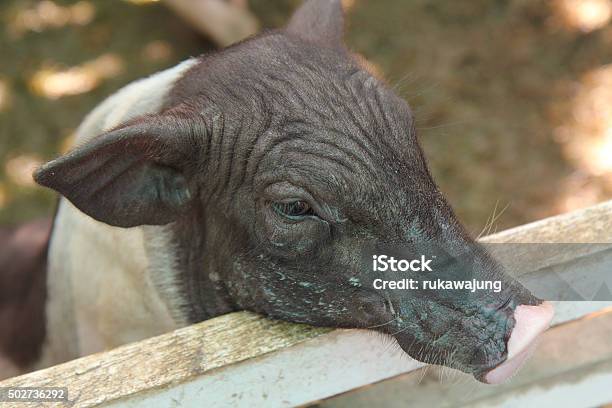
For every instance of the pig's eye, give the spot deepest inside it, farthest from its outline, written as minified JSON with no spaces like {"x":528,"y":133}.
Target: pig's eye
{"x":293,"y":210}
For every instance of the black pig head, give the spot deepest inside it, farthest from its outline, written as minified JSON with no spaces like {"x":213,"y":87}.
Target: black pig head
{"x":278,"y":162}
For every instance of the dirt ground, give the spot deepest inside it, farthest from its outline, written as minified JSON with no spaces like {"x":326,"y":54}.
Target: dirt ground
{"x":513,"y":98}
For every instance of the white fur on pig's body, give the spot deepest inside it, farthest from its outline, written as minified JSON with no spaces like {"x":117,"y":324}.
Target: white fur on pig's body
{"x":101,"y":290}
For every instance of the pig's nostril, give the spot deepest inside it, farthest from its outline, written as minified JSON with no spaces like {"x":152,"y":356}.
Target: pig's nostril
{"x":530,"y":322}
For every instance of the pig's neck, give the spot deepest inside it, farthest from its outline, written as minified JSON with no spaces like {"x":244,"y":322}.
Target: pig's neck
{"x":108,"y":286}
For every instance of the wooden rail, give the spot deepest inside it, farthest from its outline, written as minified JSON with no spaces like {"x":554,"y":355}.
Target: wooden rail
{"x":242,"y":359}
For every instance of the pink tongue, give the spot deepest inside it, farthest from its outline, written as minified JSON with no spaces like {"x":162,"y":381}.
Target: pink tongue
{"x":530,"y":322}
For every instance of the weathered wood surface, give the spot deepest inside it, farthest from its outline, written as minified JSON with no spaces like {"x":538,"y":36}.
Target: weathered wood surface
{"x":167,"y":359}
{"x":245,"y":360}
{"x":592,"y":226}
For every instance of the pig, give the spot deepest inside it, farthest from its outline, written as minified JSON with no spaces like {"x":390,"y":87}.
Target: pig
{"x":255,"y":178}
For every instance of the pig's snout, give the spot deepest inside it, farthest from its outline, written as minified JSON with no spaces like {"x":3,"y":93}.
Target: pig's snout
{"x":530,"y":322}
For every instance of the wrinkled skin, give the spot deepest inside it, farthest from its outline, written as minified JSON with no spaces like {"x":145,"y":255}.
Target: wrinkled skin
{"x":282,"y":121}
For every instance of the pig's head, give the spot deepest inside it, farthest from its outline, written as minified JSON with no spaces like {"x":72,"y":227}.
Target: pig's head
{"x":277,"y":164}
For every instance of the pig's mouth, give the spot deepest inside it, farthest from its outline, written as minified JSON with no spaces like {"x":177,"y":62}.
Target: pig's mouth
{"x":529,"y":322}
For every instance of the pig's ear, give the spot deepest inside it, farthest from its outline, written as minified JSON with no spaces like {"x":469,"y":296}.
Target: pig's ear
{"x":319,"y":21}
{"x":137,"y":174}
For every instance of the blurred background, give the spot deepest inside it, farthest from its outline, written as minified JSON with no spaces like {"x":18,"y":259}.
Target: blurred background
{"x":513,"y":98}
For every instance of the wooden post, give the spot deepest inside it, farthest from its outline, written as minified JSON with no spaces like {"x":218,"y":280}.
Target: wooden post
{"x":224,"y":22}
